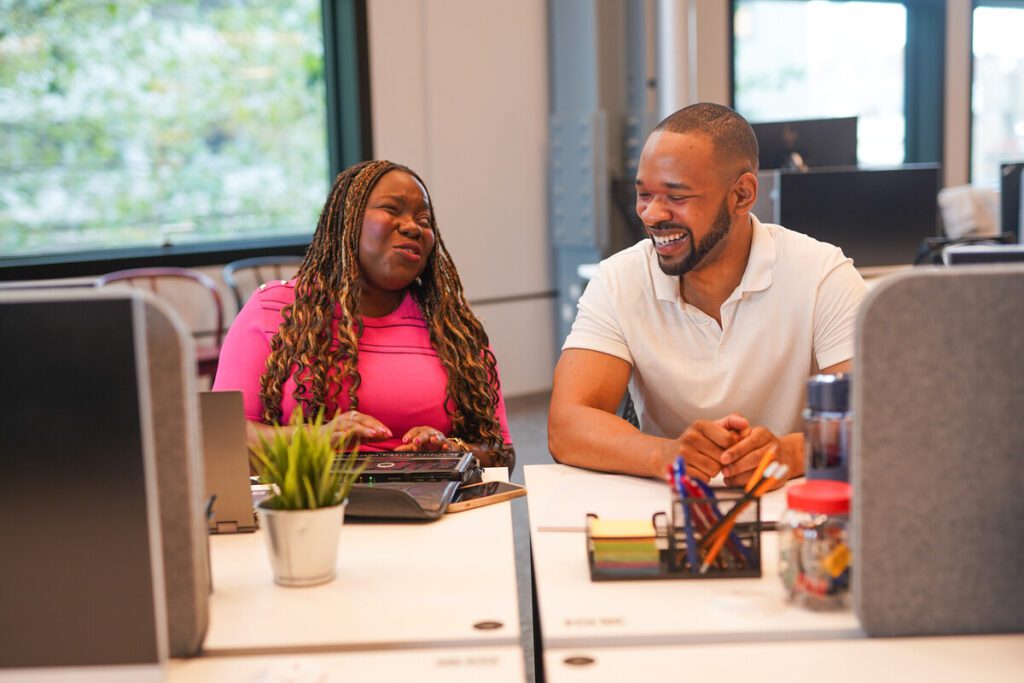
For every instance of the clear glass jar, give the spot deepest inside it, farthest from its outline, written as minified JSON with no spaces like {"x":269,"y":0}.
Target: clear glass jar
{"x":815,"y":561}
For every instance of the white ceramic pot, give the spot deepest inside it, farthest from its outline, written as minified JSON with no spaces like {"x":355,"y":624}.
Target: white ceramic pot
{"x":303,"y":544}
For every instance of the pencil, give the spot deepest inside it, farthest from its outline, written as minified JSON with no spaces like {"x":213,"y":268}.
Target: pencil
{"x":774,"y":473}
{"x":737,"y":544}
{"x":768,"y":456}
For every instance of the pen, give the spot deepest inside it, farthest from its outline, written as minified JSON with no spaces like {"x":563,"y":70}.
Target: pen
{"x":713,"y":504}
{"x":691,"y":545}
{"x":774,"y":473}
{"x":724,"y":529}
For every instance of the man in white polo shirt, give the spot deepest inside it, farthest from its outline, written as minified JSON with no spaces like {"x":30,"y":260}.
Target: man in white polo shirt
{"x":714,"y":323}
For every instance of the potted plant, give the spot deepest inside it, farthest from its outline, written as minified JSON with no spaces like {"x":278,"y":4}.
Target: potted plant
{"x":302,"y":518}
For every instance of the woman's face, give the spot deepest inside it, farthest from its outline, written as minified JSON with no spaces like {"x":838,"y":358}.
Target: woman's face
{"x":397,"y":237}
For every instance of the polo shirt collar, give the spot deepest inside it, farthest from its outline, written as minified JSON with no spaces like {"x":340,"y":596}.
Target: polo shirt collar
{"x":757,"y":276}
{"x":761,"y":262}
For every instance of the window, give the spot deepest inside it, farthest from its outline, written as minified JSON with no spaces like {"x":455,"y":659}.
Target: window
{"x":997,"y":100}
{"x":800,"y":59}
{"x":146,"y":125}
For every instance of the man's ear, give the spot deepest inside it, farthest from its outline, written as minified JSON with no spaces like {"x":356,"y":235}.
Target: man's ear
{"x":745,"y":192}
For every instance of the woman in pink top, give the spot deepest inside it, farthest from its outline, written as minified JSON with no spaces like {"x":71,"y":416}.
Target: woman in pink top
{"x":374,"y":328}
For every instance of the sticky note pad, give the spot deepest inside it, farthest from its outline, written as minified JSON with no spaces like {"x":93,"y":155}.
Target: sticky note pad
{"x":621,"y":528}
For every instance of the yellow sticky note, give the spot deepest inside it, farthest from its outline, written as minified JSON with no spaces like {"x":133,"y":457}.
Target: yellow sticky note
{"x":621,"y":528}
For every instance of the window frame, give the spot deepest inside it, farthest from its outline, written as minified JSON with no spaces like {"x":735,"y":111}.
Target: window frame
{"x":349,"y":140}
{"x":975,"y":4}
{"x":923,"y":98}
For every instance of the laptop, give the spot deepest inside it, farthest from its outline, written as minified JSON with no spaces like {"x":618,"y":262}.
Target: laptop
{"x":226,"y":457}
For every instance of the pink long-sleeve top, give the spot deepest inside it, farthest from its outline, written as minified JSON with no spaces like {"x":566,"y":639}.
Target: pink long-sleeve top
{"x":403,"y":381}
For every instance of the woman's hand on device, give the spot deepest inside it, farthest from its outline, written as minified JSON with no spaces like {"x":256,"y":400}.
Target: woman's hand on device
{"x":366,"y":427}
{"x":423,"y":439}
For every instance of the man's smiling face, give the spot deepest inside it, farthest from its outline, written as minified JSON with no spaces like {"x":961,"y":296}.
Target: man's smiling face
{"x":681,"y":197}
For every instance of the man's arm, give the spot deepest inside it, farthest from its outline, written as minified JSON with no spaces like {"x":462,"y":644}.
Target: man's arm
{"x":583,"y":429}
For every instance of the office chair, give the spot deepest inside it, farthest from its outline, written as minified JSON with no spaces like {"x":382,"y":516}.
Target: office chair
{"x":178,"y":287}
{"x":246,"y":275}
{"x":627,"y":411}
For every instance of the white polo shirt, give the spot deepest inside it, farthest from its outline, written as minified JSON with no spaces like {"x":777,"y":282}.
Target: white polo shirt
{"x":792,"y":313}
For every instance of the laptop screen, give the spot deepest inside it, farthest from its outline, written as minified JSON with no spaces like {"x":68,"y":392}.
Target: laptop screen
{"x":77,"y":568}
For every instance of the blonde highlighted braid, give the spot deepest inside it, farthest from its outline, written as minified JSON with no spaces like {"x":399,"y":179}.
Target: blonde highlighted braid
{"x":327,"y":290}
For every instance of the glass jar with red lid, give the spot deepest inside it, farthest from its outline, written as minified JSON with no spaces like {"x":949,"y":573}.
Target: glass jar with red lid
{"x":815,"y":561}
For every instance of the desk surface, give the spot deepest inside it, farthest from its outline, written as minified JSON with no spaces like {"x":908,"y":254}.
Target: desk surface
{"x":447,"y":583}
{"x":493,"y":664}
{"x":575,"y":612}
{"x":937,"y":660}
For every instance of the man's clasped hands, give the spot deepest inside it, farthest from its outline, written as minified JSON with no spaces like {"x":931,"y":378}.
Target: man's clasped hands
{"x":730,"y":445}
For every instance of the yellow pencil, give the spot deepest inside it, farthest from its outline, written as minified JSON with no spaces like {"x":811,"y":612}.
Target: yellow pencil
{"x":768,"y":456}
{"x":715,"y":548}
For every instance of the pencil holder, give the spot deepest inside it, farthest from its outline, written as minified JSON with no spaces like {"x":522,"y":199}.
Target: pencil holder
{"x":740,"y":553}
{"x":667,"y":547}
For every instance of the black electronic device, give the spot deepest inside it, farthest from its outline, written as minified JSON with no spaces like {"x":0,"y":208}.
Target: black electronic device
{"x":809,"y":143}
{"x":423,"y":500}
{"x":968,"y":254}
{"x":878,"y":217}
{"x":1010,"y":209}
{"x":391,"y":466}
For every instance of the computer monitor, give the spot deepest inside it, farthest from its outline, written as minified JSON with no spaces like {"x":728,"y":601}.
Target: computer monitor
{"x":810,"y":143}
{"x":878,"y":217}
{"x":82,"y":570}
{"x":1010,"y":178}
{"x":966,"y":254}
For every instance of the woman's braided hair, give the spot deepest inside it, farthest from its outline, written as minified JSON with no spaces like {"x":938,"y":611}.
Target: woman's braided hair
{"x":327,"y":290}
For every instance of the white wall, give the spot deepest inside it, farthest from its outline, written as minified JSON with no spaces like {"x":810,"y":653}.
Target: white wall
{"x":460,"y":94}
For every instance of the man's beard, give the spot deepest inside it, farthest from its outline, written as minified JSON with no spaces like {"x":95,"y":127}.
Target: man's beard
{"x":719,"y":229}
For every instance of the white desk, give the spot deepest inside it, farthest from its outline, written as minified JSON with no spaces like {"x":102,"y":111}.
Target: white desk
{"x":576,"y":612}
{"x":399,"y":585}
{"x":938,"y":660}
{"x":493,"y":664}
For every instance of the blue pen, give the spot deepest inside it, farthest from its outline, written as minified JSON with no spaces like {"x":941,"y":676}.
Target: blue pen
{"x":713,"y":502}
{"x":679,"y":469}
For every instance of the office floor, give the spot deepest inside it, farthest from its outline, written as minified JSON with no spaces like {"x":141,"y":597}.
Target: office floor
{"x":528,"y":423}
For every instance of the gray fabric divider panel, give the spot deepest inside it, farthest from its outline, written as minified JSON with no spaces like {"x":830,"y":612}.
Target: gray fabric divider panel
{"x":938,"y":453}
{"x":180,"y":477}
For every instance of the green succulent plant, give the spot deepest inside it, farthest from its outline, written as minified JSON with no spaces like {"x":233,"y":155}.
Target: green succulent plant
{"x":304,"y":467}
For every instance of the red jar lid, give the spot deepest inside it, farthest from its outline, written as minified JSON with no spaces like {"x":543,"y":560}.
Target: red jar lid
{"x":822,"y":496}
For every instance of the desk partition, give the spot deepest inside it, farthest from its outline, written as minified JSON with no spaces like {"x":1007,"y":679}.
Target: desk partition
{"x":938,"y":452}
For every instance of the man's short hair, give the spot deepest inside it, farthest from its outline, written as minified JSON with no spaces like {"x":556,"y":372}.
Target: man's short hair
{"x":730,"y":133}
